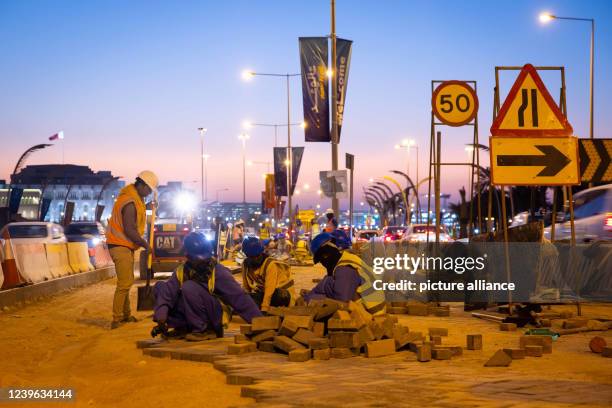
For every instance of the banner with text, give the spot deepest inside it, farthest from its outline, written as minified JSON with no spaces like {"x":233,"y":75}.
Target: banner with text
{"x":343,"y":62}
{"x":280,"y":168}
{"x":315,"y":88}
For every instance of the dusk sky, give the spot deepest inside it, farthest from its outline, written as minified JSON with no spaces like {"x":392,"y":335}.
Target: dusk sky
{"x":129,"y":82}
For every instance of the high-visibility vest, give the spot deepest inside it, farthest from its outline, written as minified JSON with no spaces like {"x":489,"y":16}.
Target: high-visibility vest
{"x":227,"y":311}
{"x":255,"y":280}
{"x":373,"y":300}
{"x":115,"y":233}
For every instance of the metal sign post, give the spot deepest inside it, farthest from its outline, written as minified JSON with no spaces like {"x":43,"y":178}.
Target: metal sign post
{"x":350,"y":165}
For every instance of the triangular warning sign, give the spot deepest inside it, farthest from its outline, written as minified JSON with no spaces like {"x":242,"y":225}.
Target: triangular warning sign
{"x":529,"y":110}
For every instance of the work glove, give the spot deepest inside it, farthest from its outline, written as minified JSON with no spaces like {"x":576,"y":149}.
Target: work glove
{"x":161,"y":328}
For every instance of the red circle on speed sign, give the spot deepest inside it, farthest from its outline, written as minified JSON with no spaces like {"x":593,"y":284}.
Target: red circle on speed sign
{"x":454,"y":103}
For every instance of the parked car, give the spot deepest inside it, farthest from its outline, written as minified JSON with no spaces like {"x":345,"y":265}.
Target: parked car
{"x":34,"y":232}
{"x":592,"y":216}
{"x":392,"y":233}
{"x":366,"y":235}
{"x":85,"y":231}
{"x":420,"y":232}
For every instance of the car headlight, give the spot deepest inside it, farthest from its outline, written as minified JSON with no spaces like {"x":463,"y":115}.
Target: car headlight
{"x":95,"y":241}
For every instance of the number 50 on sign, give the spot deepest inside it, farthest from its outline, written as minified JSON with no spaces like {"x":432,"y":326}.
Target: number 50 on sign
{"x":454,"y":103}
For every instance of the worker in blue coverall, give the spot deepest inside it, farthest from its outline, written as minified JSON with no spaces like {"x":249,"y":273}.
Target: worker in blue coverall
{"x":348,"y":277}
{"x":194,"y":301}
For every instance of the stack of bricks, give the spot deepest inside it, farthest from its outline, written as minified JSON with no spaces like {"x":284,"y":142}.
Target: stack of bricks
{"x":328,"y":329}
{"x":418,"y":309}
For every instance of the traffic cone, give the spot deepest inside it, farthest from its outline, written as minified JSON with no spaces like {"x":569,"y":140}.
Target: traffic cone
{"x":12,"y":277}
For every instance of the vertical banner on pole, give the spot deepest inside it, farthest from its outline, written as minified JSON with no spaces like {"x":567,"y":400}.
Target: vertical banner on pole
{"x":269,"y":193}
{"x":280,"y":168}
{"x":315,"y":88}
{"x":343,"y":62}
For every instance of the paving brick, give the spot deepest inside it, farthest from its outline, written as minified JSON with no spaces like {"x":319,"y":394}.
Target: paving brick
{"x":474,"y":341}
{"x":533,"y":351}
{"x":360,"y":310}
{"x":158,"y":352}
{"x":414,"y":345}
{"x":262,"y":323}
{"x":303,"y":336}
{"x":515,"y":354}
{"x":194,"y":354}
{"x":318,"y":343}
{"x":606,"y":352}
{"x":597,"y":344}
{"x":377,"y":330}
{"x":438,"y":331}
{"x":241,"y":338}
{"x":566,"y":315}
{"x":241,"y":348}
{"x":387,"y":325}
{"x":143,"y":344}
{"x":507,"y":326}
{"x":326,"y":310}
{"x":239,"y":379}
{"x":575,"y":323}
{"x":397,"y":310}
{"x":276,"y":311}
{"x":379,"y":348}
{"x":423,"y":352}
{"x":267,"y":346}
{"x":300,"y":321}
{"x":245,"y":329}
{"x":323,"y":354}
{"x":455,"y":350}
{"x":344,"y":339}
{"x":499,"y":359}
{"x":441,"y":354}
{"x":544,"y":341}
{"x":417,"y":309}
{"x":286,"y":344}
{"x":439,"y":312}
{"x":399,"y":304}
{"x":265,"y":335}
{"x":365,"y":335}
{"x":359,"y":319}
{"x":343,"y":325}
{"x":342,"y":315}
{"x":545,"y":322}
{"x":288,"y":328}
{"x":341,"y":352}
{"x":436,"y":339}
{"x":299,"y":355}
{"x":318,"y":329}
{"x":407,"y":338}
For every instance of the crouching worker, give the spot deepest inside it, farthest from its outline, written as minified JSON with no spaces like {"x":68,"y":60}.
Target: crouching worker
{"x":348,"y":277}
{"x":194,"y":301}
{"x":266,"y":279}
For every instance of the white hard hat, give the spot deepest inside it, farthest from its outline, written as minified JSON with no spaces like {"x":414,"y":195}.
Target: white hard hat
{"x":239,"y":222}
{"x":329,"y":211}
{"x":149,"y":178}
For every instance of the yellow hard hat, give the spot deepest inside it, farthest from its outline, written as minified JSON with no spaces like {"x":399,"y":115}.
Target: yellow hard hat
{"x":149,"y":178}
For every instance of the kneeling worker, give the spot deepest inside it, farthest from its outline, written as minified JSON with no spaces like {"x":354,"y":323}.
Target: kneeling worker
{"x":193,"y":300}
{"x":266,"y":279}
{"x":348,"y":277}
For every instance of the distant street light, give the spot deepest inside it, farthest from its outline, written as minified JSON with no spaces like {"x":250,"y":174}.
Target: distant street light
{"x":547,"y":17}
{"x":202,"y":132}
{"x":19,"y":165}
{"x":243,"y":137}
{"x":411,"y":144}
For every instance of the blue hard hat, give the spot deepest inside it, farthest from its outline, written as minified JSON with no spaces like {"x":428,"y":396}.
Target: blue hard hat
{"x":341,"y":239}
{"x":197,"y":247}
{"x":265,"y":242}
{"x":318,"y":241}
{"x":252,"y":246}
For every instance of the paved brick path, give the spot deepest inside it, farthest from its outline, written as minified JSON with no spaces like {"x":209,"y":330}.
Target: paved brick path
{"x":571,"y":375}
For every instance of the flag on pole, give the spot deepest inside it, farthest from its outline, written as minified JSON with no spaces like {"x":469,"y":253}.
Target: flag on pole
{"x":58,"y":135}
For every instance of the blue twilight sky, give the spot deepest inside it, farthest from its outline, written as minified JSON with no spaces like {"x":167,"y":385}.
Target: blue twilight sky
{"x":129,"y":82}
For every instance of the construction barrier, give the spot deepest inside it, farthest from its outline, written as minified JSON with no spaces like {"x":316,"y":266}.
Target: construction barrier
{"x":1,"y":275}
{"x":32,"y":262}
{"x":57,"y":258}
{"x":10,"y":273}
{"x":102,"y":258}
{"x":78,"y":256}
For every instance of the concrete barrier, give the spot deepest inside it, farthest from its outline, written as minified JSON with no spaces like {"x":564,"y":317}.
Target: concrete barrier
{"x":10,"y":272}
{"x":78,"y":256}
{"x":32,"y":262}
{"x":57,"y":258}
{"x":102,"y":258}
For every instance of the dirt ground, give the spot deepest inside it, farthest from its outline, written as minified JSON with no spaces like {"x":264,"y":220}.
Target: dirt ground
{"x":65,"y":341}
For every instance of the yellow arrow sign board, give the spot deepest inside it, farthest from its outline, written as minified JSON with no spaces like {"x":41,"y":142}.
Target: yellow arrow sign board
{"x":534,"y":161}
{"x":529,"y":110}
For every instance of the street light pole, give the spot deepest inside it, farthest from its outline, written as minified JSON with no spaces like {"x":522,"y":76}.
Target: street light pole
{"x":218,"y":191}
{"x":334,"y":113}
{"x":244,"y":137}
{"x":206,"y":157}
{"x":202,"y":132}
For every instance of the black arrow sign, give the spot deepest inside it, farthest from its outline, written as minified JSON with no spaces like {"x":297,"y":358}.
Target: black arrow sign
{"x":553,"y":160}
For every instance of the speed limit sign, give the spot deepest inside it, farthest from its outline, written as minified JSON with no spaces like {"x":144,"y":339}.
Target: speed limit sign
{"x":454,"y":103}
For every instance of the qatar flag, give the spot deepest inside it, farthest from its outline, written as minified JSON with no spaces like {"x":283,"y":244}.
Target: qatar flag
{"x":58,"y":135}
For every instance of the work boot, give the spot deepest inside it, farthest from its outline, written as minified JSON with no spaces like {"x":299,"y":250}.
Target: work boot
{"x":115,"y":324}
{"x":130,"y":319}
{"x":175,"y":334}
{"x":201,"y":336}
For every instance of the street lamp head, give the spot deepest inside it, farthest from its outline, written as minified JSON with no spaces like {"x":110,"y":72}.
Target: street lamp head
{"x":247,"y":75}
{"x":247,"y":124}
{"x":249,"y":162}
{"x":202,"y":130}
{"x":304,"y":125}
{"x":206,"y":156}
{"x":329,"y":73}
{"x":545,"y":17}
{"x":397,"y":147}
{"x":244,"y":137}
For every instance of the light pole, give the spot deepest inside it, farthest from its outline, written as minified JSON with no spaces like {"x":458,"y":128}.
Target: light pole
{"x":206,"y":157}
{"x":202,"y":132}
{"x":246,"y":75}
{"x":219,"y":190}
{"x":250,"y":125}
{"x":545,"y":18}
{"x":411,"y":144}
{"x":243,"y":137}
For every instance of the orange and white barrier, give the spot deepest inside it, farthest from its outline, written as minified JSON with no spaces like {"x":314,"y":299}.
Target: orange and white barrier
{"x":32,"y":262}
{"x":57,"y":258}
{"x":102,"y":258}
{"x":78,"y":256}
{"x":10,"y":271}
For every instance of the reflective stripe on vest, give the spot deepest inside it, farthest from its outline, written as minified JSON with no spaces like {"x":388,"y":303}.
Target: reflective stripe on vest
{"x":180,"y":275}
{"x":115,"y":233}
{"x":373,"y":300}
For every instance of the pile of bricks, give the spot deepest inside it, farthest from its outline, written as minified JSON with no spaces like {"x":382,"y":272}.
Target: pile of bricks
{"x":418,"y":309}
{"x":330,"y":329}
{"x":529,"y":346}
